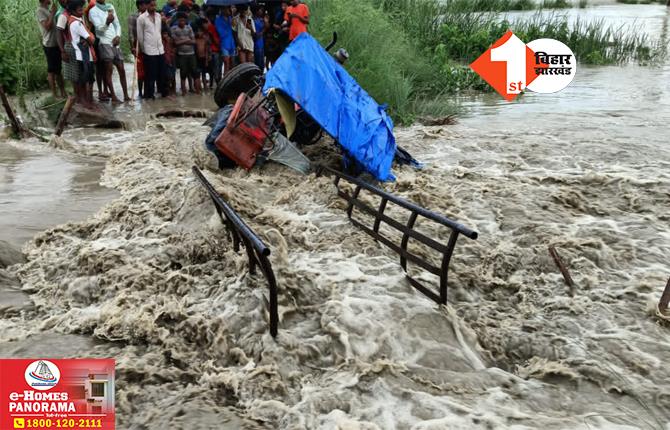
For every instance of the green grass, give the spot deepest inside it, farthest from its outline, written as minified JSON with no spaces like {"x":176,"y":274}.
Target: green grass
{"x":461,"y":35}
{"x":412,"y":53}
{"x":465,"y":36}
{"x":384,"y":60}
{"x":22,"y":62}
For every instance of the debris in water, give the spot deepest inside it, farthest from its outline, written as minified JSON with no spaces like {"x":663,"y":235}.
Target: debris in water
{"x":563,"y":269}
{"x":65,"y":113}
{"x":433,"y":121}
{"x":663,"y":303}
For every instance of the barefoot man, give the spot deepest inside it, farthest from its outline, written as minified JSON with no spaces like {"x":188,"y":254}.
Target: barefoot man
{"x":108,"y":31}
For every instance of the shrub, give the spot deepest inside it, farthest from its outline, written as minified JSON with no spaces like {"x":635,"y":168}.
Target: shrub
{"x":382,"y":58}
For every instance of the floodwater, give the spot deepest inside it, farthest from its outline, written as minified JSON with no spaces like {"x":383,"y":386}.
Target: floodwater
{"x":151,"y":279}
{"x":41,"y":188}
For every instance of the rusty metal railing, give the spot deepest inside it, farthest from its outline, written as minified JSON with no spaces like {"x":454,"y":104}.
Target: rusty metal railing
{"x":407,"y":230}
{"x":257,"y":251}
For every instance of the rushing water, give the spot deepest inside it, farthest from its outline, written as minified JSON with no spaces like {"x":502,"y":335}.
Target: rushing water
{"x":151,"y":280}
{"x":41,"y":188}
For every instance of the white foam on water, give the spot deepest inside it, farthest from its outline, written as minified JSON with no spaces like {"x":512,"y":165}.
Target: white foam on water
{"x":358,"y":347}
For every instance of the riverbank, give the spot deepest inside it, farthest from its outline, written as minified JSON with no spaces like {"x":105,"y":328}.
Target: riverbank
{"x":411,"y":55}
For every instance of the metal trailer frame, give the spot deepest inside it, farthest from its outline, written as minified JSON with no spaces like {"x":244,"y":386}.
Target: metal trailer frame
{"x":257,"y":251}
{"x":407,"y":230}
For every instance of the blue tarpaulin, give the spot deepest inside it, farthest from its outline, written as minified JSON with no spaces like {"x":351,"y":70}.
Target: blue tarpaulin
{"x":323,"y":88}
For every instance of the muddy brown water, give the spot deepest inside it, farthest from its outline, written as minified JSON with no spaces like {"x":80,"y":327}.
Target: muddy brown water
{"x":145,"y":274}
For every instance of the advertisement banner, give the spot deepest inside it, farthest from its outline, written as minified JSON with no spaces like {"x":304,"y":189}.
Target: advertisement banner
{"x":40,"y":393}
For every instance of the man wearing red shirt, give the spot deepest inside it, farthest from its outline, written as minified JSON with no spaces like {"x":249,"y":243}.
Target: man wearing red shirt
{"x":297,"y":17}
{"x":215,"y":45}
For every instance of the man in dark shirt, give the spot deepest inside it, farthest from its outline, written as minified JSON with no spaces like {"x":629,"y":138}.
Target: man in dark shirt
{"x":169,"y":9}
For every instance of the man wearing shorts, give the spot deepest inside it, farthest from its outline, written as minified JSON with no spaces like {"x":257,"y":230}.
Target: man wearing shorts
{"x":184,"y":40}
{"x":46,"y":17}
{"x":82,"y":42}
{"x":224,"y":26}
{"x":108,"y":32}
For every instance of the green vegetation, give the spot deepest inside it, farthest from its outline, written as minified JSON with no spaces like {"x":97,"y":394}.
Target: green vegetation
{"x":22,"y":64}
{"x":411,"y":54}
{"x":383,"y":59}
{"x":466,"y":36}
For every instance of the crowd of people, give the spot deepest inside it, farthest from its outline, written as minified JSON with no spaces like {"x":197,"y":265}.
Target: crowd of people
{"x":82,"y":44}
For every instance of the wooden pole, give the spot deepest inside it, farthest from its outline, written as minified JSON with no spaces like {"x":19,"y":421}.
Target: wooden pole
{"x":132,"y":89}
{"x":16,"y":124}
{"x":62,"y":120}
{"x":563,"y":269}
{"x":665,"y":299}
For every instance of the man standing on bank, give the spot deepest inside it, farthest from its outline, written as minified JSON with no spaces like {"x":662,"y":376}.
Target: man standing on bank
{"x":132,"y":40}
{"x":46,"y":17}
{"x":150,"y":41}
{"x":108,"y":31}
{"x":297,"y":18}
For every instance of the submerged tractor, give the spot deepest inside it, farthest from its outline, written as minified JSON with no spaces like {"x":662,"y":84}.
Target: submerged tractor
{"x":270,"y":117}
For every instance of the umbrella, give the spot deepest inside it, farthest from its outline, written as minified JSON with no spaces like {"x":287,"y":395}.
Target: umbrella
{"x":225,"y":2}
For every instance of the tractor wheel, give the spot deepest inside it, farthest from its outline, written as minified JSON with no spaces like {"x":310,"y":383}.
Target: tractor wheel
{"x":241,"y":79}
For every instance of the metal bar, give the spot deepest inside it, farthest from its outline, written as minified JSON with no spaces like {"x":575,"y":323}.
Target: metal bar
{"x":266,"y":267}
{"x":393,"y":223}
{"x":406,"y":204}
{"x":446,"y":258}
{"x":403,"y":253}
{"x":405,"y":240}
{"x":380,"y":214}
{"x":230,"y":213}
{"x":250,"y":255}
{"x":407,"y":231}
{"x":257,"y":252}
{"x":563,"y":269}
{"x":353,"y":200}
{"x":431,"y":295}
{"x":665,"y":298}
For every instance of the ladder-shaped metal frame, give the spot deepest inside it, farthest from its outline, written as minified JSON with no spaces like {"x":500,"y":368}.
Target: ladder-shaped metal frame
{"x":407,"y":230}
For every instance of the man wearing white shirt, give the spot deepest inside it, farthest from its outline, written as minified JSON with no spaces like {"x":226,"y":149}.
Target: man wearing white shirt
{"x":108,"y":31}
{"x":150,"y":40}
{"x":82,"y":42}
